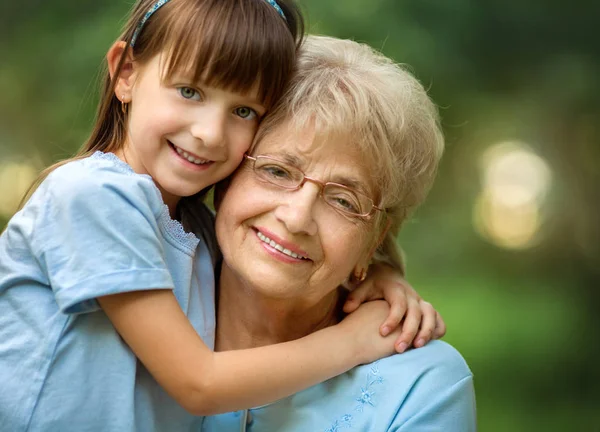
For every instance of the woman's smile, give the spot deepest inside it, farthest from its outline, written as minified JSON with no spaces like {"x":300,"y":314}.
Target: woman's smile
{"x":280,"y":248}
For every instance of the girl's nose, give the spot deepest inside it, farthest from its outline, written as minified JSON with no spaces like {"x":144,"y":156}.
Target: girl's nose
{"x":210,"y":128}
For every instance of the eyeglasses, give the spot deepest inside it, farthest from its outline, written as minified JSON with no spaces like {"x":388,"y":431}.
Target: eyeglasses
{"x":342,"y":198}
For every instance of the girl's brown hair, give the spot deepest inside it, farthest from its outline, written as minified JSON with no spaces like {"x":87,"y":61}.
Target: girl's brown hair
{"x":236,"y":45}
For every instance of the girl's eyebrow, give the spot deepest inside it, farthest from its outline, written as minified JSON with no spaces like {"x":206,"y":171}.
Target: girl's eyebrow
{"x":179,"y":77}
{"x":257,"y":103}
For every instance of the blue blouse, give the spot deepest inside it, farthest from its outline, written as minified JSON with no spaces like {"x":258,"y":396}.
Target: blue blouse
{"x":425,"y":389}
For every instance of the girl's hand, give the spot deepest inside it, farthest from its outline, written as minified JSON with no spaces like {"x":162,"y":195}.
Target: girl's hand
{"x":421,"y":321}
{"x":360,"y":327}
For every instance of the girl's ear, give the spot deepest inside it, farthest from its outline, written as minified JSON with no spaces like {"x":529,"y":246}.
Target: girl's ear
{"x":125,"y":75}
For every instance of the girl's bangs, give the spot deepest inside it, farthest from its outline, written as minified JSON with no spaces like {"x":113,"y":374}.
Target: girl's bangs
{"x":238,"y":45}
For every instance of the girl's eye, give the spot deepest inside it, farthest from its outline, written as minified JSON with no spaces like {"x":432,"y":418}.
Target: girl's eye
{"x":189,"y":93}
{"x":246,"y":113}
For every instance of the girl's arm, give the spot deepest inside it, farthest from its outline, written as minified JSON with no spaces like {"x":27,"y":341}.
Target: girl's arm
{"x":420,"y":321}
{"x":205,"y":383}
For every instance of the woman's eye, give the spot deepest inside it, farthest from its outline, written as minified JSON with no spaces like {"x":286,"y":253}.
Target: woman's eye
{"x":246,"y":113}
{"x":275,"y":171}
{"x":189,"y":93}
{"x":345,"y":203}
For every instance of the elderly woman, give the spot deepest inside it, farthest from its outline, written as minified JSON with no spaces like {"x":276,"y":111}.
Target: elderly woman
{"x":334,"y":171}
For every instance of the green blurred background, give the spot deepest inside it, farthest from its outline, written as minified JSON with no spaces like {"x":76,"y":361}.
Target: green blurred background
{"x":507,"y":246}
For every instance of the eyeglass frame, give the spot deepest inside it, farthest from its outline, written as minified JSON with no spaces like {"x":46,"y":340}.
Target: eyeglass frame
{"x":321,"y":185}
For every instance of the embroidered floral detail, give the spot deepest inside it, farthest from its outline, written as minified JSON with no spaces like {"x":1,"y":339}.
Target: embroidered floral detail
{"x":365,"y":399}
{"x":343,"y":422}
{"x":171,"y":226}
{"x":367,"y":393}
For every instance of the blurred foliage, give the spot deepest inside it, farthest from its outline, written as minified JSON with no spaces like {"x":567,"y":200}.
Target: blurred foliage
{"x":515,"y":70}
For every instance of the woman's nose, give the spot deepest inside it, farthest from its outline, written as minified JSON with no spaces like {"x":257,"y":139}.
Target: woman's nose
{"x":297,"y":210}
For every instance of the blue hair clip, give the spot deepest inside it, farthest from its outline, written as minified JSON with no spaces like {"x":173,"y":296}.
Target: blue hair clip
{"x":277,"y":8}
{"x":138,"y":29}
{"x":161,"y":3}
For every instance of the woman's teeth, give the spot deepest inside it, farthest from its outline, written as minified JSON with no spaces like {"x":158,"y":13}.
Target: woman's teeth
{"x":189,"y":157}
{"x":277,"y":246}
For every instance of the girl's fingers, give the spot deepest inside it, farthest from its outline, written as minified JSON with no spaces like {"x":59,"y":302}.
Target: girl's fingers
{"x":440,"y":327}
{"x":428,"y":325}
{"x":410,"y":326}
{"x":359,"y":295}
{"x":398,"y":305}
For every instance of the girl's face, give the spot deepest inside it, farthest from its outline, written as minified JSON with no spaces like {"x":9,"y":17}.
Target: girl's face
{"x":186,"y":135}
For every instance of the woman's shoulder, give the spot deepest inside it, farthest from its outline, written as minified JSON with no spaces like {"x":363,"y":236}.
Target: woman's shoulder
{"x":437,"y":357}
{"x":428,"y":388}
{"x":420,"y":372}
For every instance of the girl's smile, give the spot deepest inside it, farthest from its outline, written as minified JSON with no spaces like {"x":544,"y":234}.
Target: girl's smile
{"x":190,"y":159}
{"x":189,"y":156}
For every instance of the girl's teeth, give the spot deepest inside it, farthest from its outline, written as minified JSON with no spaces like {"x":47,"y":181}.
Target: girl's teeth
{"x":189,"y":157}
{"x":277,"y":246}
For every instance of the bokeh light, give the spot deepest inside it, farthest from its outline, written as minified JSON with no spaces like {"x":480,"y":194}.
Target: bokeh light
{"x":15,"y":179}
{"x":516,"y":181}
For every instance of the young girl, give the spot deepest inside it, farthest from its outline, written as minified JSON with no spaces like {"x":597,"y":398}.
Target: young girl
{"x":97,"y":273}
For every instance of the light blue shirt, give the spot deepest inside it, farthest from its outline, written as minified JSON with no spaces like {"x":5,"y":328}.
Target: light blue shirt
{"x":423,"y":390}
{"x":92,"y":228}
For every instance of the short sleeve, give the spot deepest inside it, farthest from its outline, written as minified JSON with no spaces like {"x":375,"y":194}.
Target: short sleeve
{"x":97,"y":234}
{"x":450,"y":410}
{"x":442,"y":399}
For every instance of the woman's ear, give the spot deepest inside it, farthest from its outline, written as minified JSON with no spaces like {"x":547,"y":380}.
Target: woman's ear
{"x":121,"y":53}
{"x":360,"y":270}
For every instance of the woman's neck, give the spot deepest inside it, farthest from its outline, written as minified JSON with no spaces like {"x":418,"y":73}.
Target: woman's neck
{"x":248,"y":319}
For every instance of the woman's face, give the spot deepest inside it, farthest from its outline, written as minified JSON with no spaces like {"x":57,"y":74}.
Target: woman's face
{"x":291,"y":244}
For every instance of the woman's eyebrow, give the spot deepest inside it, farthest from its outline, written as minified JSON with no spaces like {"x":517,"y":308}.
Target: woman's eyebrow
{"x":345,"y":180}
{"x":286,"y":157}
{"x":352,"y":183}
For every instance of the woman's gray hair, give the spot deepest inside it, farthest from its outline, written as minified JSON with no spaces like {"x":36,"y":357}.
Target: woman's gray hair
{"x":348,"y":89}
